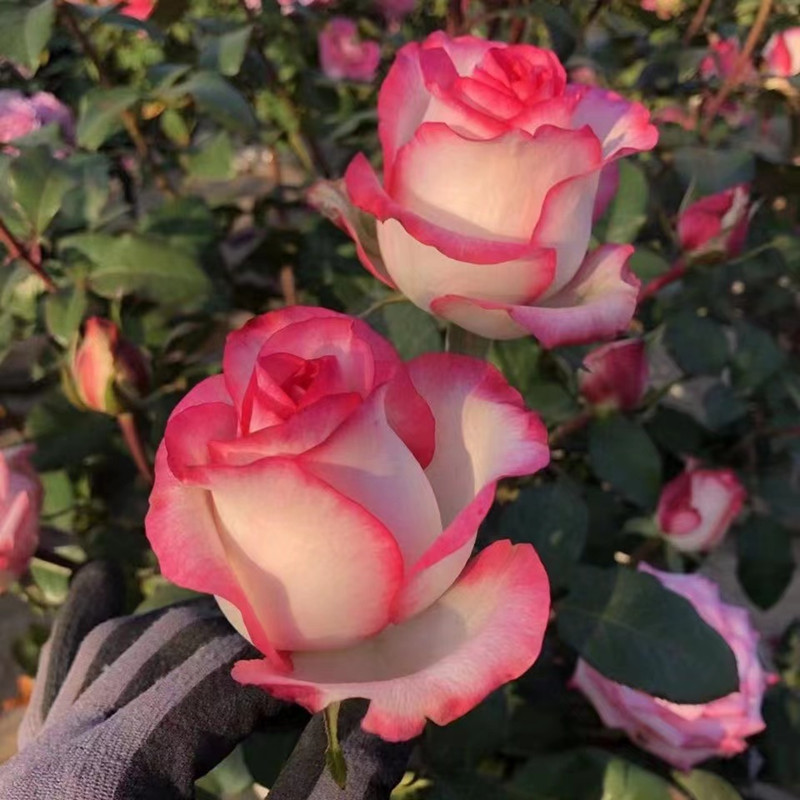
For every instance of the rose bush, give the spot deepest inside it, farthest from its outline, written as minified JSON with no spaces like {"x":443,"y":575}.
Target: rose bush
{"x":491,"y":164}
{"x":20,"y":505}
{"x":330,"y":496}
{"x":696,"y":509}
{"x":685,"y":735}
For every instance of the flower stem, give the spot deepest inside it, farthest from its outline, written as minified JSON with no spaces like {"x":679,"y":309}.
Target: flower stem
{"x":17,"y":250}
{"x":334,"y":757}
{"x":466,"y":343}
{"x":674,"y":273}
{"x":697,"y":21}
{"x":127,"y":425}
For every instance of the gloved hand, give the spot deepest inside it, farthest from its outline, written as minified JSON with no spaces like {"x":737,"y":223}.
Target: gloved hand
{"x":137,"y":708}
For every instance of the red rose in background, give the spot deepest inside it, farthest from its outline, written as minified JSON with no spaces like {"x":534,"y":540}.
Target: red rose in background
{"x":615,"y":375}
{"x":716,"y":224}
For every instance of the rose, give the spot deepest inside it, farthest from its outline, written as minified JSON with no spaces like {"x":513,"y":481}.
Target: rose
{"x":615,"y":375}
{"x":21,"y":116}
{"x":330,"y":496}
{"x":663,"y":8}
{"x":20,"y":505}
{"x":721,"y":60}
{"x":782,"y":53}
{"x":696,"y":508}
{"x":491,"y":167}
{"x":106,"y":372}
{"x":136,"y":9}
{"x":684,"y":735}
{"x":717,"y":224}
{"x":343,"y":55}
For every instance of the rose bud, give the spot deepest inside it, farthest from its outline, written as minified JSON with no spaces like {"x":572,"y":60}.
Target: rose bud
{"x":491,"y":164}
{"x":21,"y":116}
{"x":107,"y":373}
{"x":721,"y":60}
{"x":342,"y":54}
{"x":717,"y":224}
{"x":685,"y":735}
{"x":782,"y":53}
{"x":615,"y":375}
{"x":663,"y":8}
{"x":330,"y":495}
{"x":697,"y":508}
{"x":20,"y":506}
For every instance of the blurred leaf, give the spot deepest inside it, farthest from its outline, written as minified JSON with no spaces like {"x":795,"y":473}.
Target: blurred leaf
{"x":212,"y":160}
{"x":702,"y":785}
{"x":51,"y":579}
{"x":780,"y":743}
{"x":721,"y":406}
{"x":634,"y":631}
{"x":766,"y":561}
{"x":265,"y":753}
{"x":628,"y":211}
{"x":146,"y":265}
{"x":85,"y":204}
{"x":63,"y":313}
{"x":676,"y":432}
{"x":518,"y":360}
{"x":215,"y":96}
{"x":411,"y":330}
{"x":39,"y":183}
{"x":712,"y":170}
{"x":698,"y":344}
{"x":647,"y":264}
{"x":59,"y":499}
{"x":229,"y":777}
{"x":25,"y":31}
{"x":100,"y":114}
{"x":757,"y":356}
{"x":554,"y":519}
{"x":174,"y":127}
{"x":159,"y":593}
{"x":622,"y":453}
{"x":225,"y":52}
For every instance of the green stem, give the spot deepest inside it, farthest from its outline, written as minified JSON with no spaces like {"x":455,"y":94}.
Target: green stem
{"x":466,"y":343}
{"x":334,"y":757}
{"x":130,"y":433}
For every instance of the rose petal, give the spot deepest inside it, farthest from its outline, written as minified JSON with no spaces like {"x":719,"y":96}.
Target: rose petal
{"x":485,"y":631}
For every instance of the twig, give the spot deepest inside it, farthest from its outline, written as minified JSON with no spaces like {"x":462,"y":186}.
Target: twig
{"x":697,"y":21}
{"x":732,"y":81}
{"x":127,"y":425}
{"x":17,"y":250}
{"x":455,"y":18}
{"x":674,"y":273}
{"x":54,"y":558}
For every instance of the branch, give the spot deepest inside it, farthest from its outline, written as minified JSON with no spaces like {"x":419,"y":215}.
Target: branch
{"x":697,"y":21}
{"x":17,"y":250}
{"x":674,"y":273}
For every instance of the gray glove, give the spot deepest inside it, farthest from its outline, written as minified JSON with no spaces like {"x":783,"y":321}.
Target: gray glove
{"x":137,"y":708}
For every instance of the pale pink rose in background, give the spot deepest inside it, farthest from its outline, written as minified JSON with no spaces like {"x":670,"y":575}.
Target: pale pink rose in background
{"x":22,"y":115}
{"x":136,"y":9}
{"x":717,"y":223}
{"x":721,"y":60}
{"x":697,"y":508}
{"x":685,"y":735}
{"x":607,"y":189}
{"x":342,"y":54}
{"x":395,"y":10}
{"x":491,"y":163}
{"x":615,"y":375}
{"x":663,"y":8}
{"x":107,"y":372}
{"x":782,"y":53}
{"x":20,"y":506}
{"x":330,"y":495}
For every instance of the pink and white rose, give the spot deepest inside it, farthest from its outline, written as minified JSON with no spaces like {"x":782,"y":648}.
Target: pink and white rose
{"x":663,"y":8}
{"x":615,"y":375}
{"x":106,"y":372}
{"x":342,"y":54}
{"x":22,"y":115}
{"x":697,"y":508}
{"x":491,"y":163}
{"x":330,"y":495}
{"x":717,"y":224}
{"x":20,"y":506}
{"x":685,"y":735}
{"x":782,"y":53}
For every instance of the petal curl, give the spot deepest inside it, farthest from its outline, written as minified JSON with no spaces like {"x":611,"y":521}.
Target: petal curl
{"x":485,"y":631}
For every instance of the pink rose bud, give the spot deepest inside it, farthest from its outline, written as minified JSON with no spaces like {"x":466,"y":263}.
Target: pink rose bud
{"x":720,"y":62}
{"x":685,"y":735}
{"x":663,"y":8}
{"x":491,"y":165}
{"x":343,"y":55}
{"x":136,"y":9}
{"x":20,"y":505}
{"x":697,"y":508}
{"x":615,"y":375}
{"x":108,"y":373}
{"x":21,"y":115}
{"x":330,"y":495}
{"x":782,"y":53}
{"x":717,"y":224}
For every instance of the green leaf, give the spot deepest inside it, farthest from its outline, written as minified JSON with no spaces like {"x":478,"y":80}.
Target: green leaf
{"x":230,"y":777}
{"x":411,"y":330}
{"x":698,"y":344}
{"x":711,"y":170}
{"x":63,"y":313}
{"x":647,"y":264}
{"x":219,"y":99}
{"x":159,"y":593}
{"x":628,"y":211}
{"x":59,"y":499}
{"x":555,"y":520}
{"x":225,"y":52}
{"x":766,"y":562}
{"x":25,"y":31}
{"x":781,"y":741}
{"x":51,"y":579}
{"x":636,"y":632}
{"x":145,"y":265}
{"x":622,"y":453}
{"x":212,"y":160}
{"x":702,"y":785}
{"x":39,"y":183}
{"x":100,"y":114}
{"x":757,"y":356}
